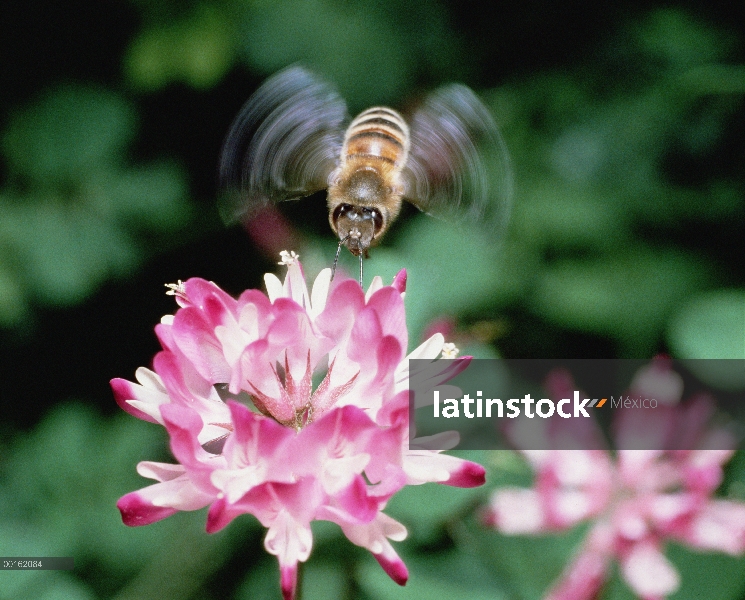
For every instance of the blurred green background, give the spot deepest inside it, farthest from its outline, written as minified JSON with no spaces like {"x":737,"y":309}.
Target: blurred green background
{"x":626,"y":129}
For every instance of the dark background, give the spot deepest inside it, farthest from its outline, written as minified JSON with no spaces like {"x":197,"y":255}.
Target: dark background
{"x":625,"y":127}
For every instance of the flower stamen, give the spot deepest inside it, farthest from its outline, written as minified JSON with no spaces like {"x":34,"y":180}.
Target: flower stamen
{"x":450,"y":351}
{"x":288,"y":258}
{"x":176,"y":289}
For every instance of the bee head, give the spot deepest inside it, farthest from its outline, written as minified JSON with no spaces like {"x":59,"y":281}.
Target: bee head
{"x":357,"y":226}
{"x":357,"y":207}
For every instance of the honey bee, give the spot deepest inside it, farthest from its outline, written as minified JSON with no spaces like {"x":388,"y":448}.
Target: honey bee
{"x":290,"y":140}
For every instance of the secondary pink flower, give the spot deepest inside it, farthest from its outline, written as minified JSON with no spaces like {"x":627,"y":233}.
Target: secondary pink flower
{"x":335,"y":451}
{"x":635,"y":501}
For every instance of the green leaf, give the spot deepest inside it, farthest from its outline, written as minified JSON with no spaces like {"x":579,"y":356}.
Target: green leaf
{"x":627,"y":296}
{"x":71,"y":131}
{"x":66,"y":251}
{"x":426,"y":509}
{"x":13,"y":306}
{"x":341,"y":40}
{"x":672,"y":36}
{"x":445,"y":575}
{"x":322,"y":580}
{"x":197,"y":49}
{"x":66,"y":477}
{"x":552,"y":213}
{"x":712,"y":325}
{"x":151,"y":196}
{"x":262,"y":581}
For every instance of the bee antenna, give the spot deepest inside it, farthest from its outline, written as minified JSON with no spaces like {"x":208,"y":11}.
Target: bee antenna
{"x":336,"y":258}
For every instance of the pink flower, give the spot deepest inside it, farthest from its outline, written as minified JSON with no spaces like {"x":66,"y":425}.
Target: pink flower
{"x":635,"y":501}
{"x":337,"y":450}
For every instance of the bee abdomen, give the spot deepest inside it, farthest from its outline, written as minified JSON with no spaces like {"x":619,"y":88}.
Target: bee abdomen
{"x":378,"y":133}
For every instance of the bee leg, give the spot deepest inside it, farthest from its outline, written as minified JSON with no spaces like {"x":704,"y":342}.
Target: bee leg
{"x":360,"y":269}
{"x":336,"y":258}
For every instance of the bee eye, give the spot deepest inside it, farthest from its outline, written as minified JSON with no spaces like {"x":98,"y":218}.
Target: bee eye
{"x":340,"y":210}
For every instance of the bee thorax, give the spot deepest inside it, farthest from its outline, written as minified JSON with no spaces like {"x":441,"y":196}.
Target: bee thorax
{"x":364,"y":186}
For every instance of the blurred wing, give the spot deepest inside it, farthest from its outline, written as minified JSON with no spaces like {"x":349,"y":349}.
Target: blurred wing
{"x":458,"y":166}
{"x":283,"y":144}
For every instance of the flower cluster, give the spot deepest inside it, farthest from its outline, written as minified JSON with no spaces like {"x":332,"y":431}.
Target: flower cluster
{"x":635,"y":499}
{"x":333,"y":450}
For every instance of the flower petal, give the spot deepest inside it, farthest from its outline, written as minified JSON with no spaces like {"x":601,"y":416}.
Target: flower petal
{"x":161,"y":500}
{"x":648,"y":572}
{"x":374,"y":536}
{"x":582,"y":579}
{"x":516,"y":511}
{"x":719,"y":526}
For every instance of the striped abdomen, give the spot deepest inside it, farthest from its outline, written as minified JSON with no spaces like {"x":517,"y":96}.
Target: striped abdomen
{"x":379,"y":134}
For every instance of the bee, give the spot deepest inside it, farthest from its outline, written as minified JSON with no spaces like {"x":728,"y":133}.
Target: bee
{"x":291,"y":140}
